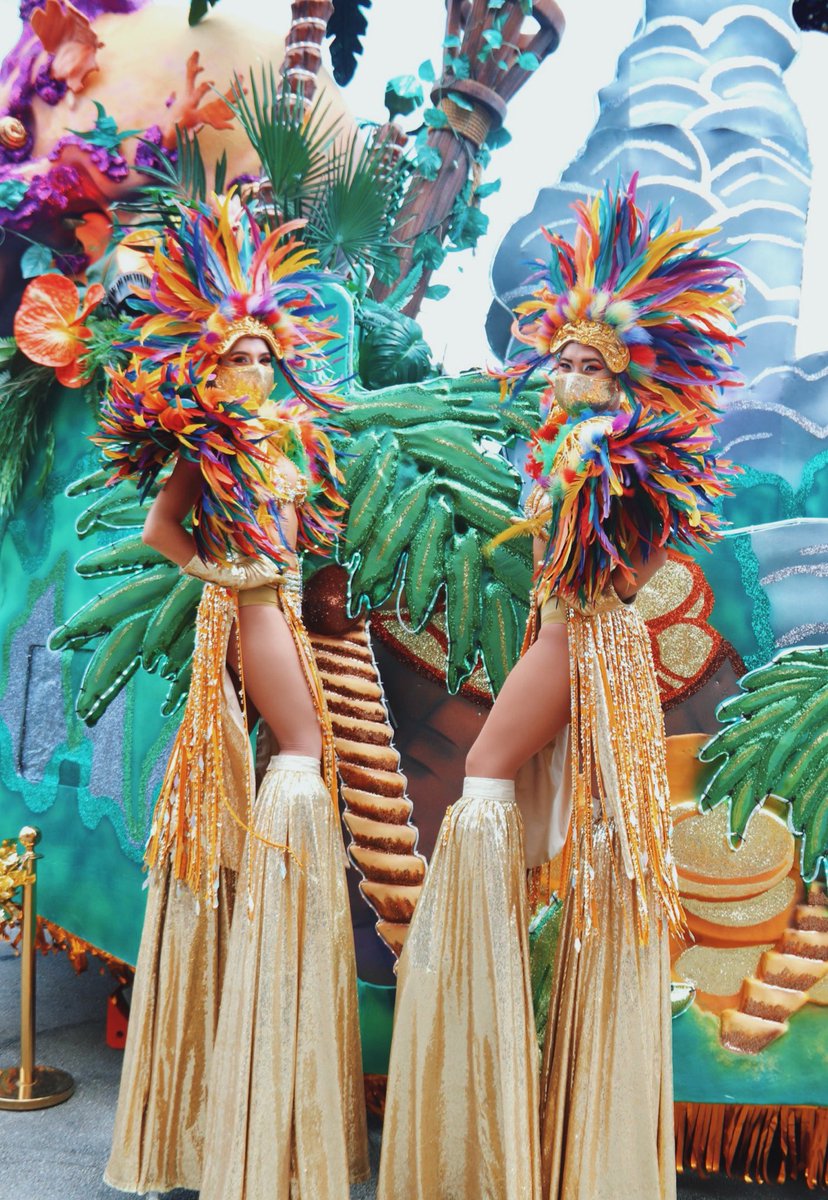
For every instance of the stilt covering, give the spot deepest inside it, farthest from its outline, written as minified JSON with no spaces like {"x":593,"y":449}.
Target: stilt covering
{"x":462,"y":1100}
{"x":286,"y":1108}
{"x":606,"y":1080}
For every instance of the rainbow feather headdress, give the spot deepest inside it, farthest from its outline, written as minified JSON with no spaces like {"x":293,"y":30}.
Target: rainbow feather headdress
{"x":217,"y":277}
{"x":650,"y":296}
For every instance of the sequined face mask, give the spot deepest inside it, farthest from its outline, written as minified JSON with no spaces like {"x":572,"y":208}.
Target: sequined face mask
{"x":574,"y":391}
{"x":254,"y":381}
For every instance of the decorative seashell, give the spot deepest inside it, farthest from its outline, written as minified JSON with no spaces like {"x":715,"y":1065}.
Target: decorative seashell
{"x":12,"y":133}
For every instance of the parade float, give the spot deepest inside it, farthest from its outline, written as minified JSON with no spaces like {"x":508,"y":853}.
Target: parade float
{"x":415,"y":627}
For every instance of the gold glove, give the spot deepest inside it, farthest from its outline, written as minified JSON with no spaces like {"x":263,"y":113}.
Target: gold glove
{"x":245,"y":573}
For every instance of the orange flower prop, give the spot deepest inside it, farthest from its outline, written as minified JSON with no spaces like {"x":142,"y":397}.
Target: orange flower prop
{"x":49,"y":325}
{"x":69,"y":36}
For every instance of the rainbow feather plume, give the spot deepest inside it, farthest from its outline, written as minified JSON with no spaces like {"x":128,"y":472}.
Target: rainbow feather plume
{"x":151,"y":413}
{"x":662,"y":290}
{"x":217,"y":267}
{"x":621,"y":485}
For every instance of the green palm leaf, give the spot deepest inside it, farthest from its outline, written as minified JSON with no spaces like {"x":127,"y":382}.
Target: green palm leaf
{"x":292,"y":146}
{"x":179,"y":177}
{"x":23,"y":418}
{"x":351,"y":218}
{"x":146,"y":617}
{"x":432,"y":489}
{"x":775,"y":742}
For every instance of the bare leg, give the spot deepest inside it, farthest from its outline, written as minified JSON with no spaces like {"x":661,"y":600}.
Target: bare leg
{"x":275,"y":681}
{"x":532,"y":707}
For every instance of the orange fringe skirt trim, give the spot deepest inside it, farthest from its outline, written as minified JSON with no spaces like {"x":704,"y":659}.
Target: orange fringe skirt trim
{"x":765,"y":1144}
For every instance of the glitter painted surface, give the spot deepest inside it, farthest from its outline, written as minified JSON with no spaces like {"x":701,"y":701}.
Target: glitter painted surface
{"x":744,"y":913}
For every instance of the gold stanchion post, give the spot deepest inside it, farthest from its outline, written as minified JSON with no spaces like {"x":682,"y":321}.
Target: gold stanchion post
{"x":28,"y":1086}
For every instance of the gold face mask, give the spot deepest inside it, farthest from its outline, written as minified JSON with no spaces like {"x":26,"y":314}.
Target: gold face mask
{"x":574,"y":392}
{"x":254,"y":381}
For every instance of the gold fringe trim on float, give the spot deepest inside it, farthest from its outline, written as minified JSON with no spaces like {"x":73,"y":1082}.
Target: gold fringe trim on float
{"x":54,"y":939}
{"x":764,"y":1144}
{"x":618,"y":741}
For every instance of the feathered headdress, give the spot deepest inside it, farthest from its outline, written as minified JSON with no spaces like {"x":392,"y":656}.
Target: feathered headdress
{"x":216,"y":277}
{"x":651,"y":297}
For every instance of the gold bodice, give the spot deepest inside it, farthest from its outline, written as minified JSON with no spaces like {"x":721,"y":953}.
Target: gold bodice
{"x":289,"y":485}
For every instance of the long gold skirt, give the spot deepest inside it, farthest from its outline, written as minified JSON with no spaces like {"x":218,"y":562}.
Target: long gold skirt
{"x":461,"y":1106}
{"x":606,"y":1080}
{"x":286,"y":1105}
{"x":158,"y":1140}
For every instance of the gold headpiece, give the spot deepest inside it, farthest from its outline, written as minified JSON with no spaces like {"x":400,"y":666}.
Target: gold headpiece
{"x":249,"y":327}
{"x":601,"y":337}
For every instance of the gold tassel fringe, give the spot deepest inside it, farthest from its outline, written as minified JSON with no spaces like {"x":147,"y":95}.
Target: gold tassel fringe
{"x":613,"y":689}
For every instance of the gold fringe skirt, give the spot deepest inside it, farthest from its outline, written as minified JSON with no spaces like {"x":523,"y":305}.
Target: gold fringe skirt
{"x":286,"y":1106}
{"x":606,"y":1079}
{"x":196,"y":847}
{"x":461,"y":1106}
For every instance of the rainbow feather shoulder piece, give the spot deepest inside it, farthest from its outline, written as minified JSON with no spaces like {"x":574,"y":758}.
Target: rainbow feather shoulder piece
{"x":311,"y":444}
{"x":621,"y":485}
{"x":151,"y":414}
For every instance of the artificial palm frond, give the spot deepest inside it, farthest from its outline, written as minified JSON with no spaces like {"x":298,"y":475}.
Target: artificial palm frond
{"x":775,"y":742}
{"x":352,"y":217}
{"x":182,"y":177}
{"x":427,"y":490}
{"x":292,"y":145}
{"x":22,"y":417}
{"x":186,"y":175}
{"x":347,"y":27}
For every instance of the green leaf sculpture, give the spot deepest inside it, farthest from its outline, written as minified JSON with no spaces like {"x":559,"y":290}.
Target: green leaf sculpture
{"x":775,"y":742}
{"x":427,"y":486}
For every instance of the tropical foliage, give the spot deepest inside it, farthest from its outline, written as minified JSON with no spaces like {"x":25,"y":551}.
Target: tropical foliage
{"x":775,"y":742}
{"x":426,"y":494}
{"x":24,"y":422}
{"x":347,"y":190}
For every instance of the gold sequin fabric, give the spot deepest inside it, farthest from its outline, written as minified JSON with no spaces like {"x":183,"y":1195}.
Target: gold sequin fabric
{"x":462,"y":1101}
{"x":618,"y":742}
{"x":537,"y":502}
{"x":158,"y":1140}
{"x":606,"y":1079}
{"x":286,"y":1111}
{"x":204,"y":796}
{"x":284,"y":489}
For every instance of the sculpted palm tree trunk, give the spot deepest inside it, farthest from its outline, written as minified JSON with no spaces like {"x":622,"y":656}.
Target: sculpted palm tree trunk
{"x":377,"y":810}
{"x":486,"y":60}
{"x":303,"y":46}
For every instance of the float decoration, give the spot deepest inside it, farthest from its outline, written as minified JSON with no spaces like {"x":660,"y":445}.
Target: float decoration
{"x":775,"y":742}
